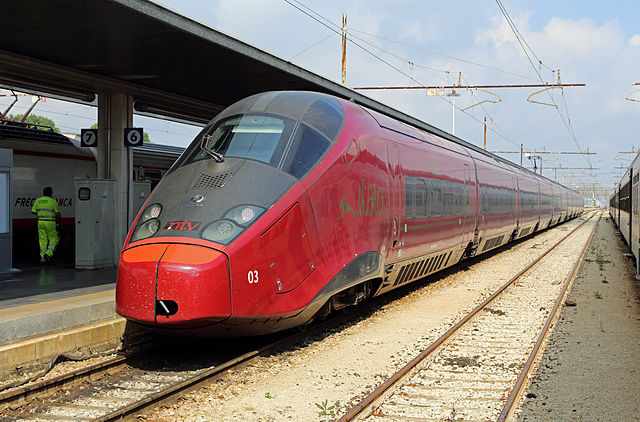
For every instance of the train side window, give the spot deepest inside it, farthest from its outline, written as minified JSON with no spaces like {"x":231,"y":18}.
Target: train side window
{"x":438,"y":202}
{"x":408,"y":197}
{"x":306,"y":149}
{"x":421,"y":203}
{"x":326,"y":116}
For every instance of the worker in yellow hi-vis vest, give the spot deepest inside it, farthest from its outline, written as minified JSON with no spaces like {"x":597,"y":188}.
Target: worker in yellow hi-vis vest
{"x":46,"y":208}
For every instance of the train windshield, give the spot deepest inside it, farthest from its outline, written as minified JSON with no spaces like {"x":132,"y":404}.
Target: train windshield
{"x":248,"y":136}
{"x":265,"y":138}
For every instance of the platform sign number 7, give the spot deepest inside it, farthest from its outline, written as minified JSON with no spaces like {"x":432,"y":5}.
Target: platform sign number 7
{"x":89,"y":137}
{"x":133,"y":137}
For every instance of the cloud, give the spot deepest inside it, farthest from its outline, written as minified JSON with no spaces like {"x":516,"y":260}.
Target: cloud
{"x":634,"y":41}
{"x":499,"y":31}
{"x":580,"y":38}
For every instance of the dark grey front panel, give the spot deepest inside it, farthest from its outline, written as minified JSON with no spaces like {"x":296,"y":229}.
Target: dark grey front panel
{"x":205,"y":191}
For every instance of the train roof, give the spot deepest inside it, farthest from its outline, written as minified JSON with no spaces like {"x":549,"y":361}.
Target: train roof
{"x":25,"y":131}
{"x":407,"y":126}
{"x":625,"y":176}
{"x":151,"y":150}
{"x":33,"y":137}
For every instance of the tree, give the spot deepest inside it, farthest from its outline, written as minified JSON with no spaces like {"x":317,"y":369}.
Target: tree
{"x":145,"y":135}
{"x":36,"y":120}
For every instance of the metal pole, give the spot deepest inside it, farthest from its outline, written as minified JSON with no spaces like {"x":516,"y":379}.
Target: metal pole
{"x":344,"y":48}
{"x":453,"y":115}
{"x":521,"y":152}
{"x":26,"y":114}
{"x":485,"y":134}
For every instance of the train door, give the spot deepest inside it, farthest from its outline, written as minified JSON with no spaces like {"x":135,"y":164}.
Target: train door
{"x":395,"y":200}
{"x":518,"y":205}
{"x":635,"y":214}
{"x":469,"y":220}
{"x":631,"y":199}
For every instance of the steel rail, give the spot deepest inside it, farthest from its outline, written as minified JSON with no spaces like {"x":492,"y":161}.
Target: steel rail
{"x":82,"y":374}
{"x":23,"y":392}
{"x":371,"y":397}
{"x":181,"y":386}
{"x":509,"y":406}
{"x":198,"y":379}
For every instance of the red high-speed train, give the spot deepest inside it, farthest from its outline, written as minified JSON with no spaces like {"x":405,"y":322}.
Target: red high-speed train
{"x":289,"y":205}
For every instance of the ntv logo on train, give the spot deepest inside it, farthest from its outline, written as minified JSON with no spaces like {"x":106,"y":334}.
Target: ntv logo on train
{"x":181,"y":225}
{"x":370,"y":202}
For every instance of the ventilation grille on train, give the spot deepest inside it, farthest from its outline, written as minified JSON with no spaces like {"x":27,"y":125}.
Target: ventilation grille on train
{"x":208,"y":181}
{"x":492,"y":243}
{"x":526,"y":231}
{"x":420,"y":268}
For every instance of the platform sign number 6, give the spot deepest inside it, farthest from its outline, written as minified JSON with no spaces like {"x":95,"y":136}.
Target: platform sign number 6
{"x":89,"y":137}
{"x":252,"y":276}
{"x":133,"y":136}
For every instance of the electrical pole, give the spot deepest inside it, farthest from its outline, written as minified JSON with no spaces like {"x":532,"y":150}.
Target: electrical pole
{"x":344,"y":48}
{"x":521,"y":153}
{"x":485,"y":133}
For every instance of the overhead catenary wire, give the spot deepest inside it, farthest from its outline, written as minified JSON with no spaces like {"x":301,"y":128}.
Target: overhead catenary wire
{"x":491,"y":119}
{"x":311,"y":46}
{"x":522,"y":43}
{"x":338,"y":30}
{"x":445,"y":55}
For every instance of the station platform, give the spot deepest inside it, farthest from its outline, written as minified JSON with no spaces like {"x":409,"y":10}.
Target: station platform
{"x":52,"y":311}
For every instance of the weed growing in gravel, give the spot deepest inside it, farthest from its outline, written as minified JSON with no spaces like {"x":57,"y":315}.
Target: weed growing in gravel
{"x":325,"y":409}
{"x":597,"y":294}
{"x":268,"y":395}
{"x":604,"y":280}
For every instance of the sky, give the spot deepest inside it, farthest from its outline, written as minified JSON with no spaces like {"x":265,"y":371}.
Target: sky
{"x":424,"y":42}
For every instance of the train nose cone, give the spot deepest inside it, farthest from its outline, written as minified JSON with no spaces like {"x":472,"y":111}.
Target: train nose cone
{"x":173,"y":285}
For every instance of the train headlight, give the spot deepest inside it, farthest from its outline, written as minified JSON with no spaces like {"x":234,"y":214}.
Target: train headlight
{"x":152,"y":211}
{"x":244,"y":215}
{"x":234,"y":222}
{"x":145,"y":230}
{"x":221,"y":231}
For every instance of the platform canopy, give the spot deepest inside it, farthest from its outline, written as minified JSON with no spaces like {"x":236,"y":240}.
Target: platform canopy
{"x":174,"y":66}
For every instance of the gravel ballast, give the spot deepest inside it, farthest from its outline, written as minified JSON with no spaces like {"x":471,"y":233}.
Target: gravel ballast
{"x":340,"y":367}
{"x":591,"y":368}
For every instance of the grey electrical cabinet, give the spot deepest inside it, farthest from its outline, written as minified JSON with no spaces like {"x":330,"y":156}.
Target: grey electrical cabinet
{"x":141,"y":191}
{"x":6,"y":220}
{"x":95,"y":210}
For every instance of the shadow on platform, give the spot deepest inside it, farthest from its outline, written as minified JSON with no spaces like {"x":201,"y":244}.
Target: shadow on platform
{"x":44,"y":283}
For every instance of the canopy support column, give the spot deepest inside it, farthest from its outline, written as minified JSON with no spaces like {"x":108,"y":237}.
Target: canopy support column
{"x":115,"y":160}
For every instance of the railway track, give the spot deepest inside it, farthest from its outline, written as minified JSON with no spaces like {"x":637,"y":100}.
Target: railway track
{"x":126,"y":385}
{"x":478,"y":368}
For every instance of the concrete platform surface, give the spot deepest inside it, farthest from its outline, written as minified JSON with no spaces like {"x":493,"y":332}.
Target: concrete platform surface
{"x":44,"y":283}
{"x":45,"y":317}
{"x":48,"y":299}
{"x":50,"y":311}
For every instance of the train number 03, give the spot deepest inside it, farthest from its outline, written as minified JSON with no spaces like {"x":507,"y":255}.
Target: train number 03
{"x":252,"y":276}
